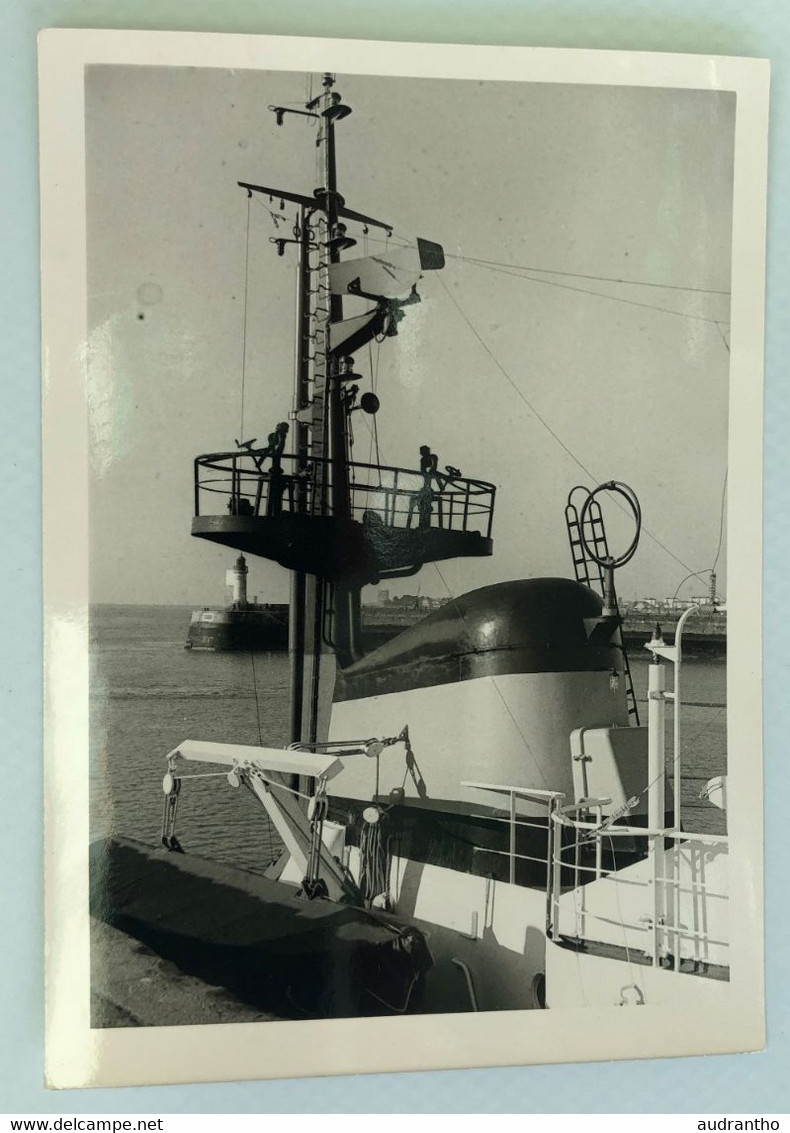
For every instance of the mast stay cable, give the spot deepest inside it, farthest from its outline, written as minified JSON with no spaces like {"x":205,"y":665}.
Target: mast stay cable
{"x":527,"y":746}
{"x":400,"y":240}
{"x":721,"y":520}
{"x":603,"y":295}
{"x":543,"y":421}
{"x":480,"y":262}
{"x":244,"y":324}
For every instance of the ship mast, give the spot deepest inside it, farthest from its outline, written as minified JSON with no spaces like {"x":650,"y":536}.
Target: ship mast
{"x":316,"y":605}
{"x":336,"y":240}
{"x":298,"y":597}
{"x":336,"y":532}
{"x":343,"y":602}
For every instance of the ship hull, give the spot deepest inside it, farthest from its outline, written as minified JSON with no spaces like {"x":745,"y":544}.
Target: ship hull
{"x":487,"y":938}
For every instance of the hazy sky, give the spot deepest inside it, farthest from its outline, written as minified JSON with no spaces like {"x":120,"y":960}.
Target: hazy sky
{"x":574,"y":183}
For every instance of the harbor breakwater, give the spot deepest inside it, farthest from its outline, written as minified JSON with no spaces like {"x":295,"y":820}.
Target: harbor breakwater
{"x":265,"y":629}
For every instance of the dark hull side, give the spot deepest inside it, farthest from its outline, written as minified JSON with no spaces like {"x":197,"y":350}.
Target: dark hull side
{"x":281,"y":953}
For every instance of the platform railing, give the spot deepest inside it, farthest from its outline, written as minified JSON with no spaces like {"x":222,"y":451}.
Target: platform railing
{"x":662,"y":894}
{"x":245,"y":483}
{"x":514,"y":821}
{"x":575,"y":855}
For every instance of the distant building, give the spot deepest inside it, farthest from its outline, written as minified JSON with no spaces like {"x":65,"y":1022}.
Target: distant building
{"x":409,"y":601}
{"x":673,"y":605}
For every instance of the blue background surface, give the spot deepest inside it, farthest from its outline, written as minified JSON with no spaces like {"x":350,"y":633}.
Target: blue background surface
{"x":756,"y":1083}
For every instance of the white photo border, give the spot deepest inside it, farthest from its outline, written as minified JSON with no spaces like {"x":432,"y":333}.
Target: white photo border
{"x":76,"y":1054}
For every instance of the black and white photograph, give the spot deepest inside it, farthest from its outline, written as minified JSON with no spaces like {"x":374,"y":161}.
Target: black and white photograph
{"x":407,"y":695}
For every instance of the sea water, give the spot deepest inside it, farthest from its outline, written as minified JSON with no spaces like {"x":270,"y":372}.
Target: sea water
{"x":148,"y":694}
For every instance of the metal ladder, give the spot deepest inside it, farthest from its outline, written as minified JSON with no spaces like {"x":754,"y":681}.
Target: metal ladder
{"x":590,"y":573}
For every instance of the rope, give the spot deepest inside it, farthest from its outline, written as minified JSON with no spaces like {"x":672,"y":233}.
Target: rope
{"x":244,"y":325}
{"x":374,"y":854}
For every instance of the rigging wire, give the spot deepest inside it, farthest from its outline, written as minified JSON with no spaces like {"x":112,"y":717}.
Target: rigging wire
{"x":614,"y":876}
{"x":374,"y":374}
{"x":612,"y":298}
{"x":373,"y":439}
{"x":276,"y":216}
{"x":510,"y":382}
{"x":721,"y":519}
{"x":454,"y":600}
{"x":543,"y":421}
{"x":503,"y":269}
{"x":498,"y":690}
{"x":688,"y":745}
{"x":395,"y":238}
{"x":257,"y":705}
{"x":244,"y":325}
{"x":691,"y":574}
{"x":711,"y":570}
{"x":376,"y":446}
{"x":374,"y":378}
{"x":478,"y":261}
{"x":723,"y":336}
{"x":507,"y":268}
{"x":373,"y":387}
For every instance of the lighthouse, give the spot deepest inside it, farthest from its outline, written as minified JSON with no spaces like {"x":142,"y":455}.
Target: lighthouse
{"x":239,"y":624}
{"x":236,"y":579}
